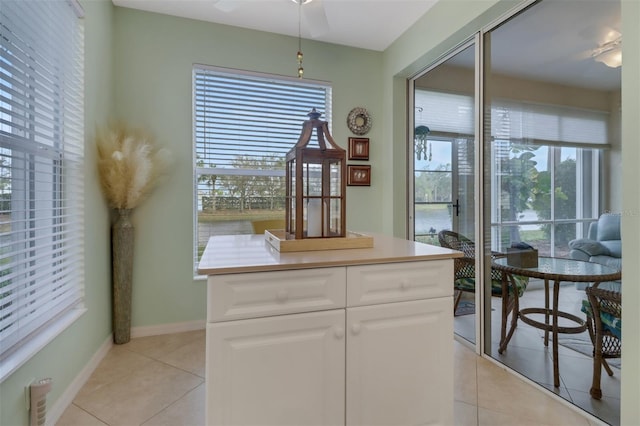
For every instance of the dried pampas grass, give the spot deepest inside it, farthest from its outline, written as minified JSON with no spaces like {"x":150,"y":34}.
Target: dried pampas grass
{"x":129,"y":164}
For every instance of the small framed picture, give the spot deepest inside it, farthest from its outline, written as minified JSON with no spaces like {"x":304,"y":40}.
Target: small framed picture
{"x":358,"y":175}
{"x":358,"y":148}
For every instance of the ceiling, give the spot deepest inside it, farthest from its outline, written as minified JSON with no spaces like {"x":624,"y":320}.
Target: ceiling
{"x":367,"y":24}
{"x":550,"y":42}
{"x":554,"y":40}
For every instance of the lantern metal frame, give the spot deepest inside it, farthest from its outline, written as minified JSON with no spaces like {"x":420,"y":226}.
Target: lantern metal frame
{"x":303,"y":161}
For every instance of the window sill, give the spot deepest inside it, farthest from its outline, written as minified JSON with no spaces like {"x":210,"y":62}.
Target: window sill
{"x":18,"y":358}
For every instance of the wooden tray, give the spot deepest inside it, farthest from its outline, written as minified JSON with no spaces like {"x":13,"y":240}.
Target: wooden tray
{"x":276,"y":237}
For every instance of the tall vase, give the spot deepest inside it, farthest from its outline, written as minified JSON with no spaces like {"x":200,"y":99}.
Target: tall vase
{"x":122,"y":258}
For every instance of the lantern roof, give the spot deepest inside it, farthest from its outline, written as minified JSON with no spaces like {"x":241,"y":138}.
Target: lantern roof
{"x":324,"y":138}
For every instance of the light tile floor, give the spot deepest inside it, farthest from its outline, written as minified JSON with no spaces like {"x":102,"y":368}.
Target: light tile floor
{"x":527,"y":355}
{"x":159,"y":380}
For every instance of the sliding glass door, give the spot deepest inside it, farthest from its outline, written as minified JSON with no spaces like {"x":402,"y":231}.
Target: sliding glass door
{"x":550,"y":139}
{"x":542,"y":168}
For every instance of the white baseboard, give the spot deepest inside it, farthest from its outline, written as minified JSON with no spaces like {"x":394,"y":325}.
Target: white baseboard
{"x":67,"y":397}
{"x":155,"y":330}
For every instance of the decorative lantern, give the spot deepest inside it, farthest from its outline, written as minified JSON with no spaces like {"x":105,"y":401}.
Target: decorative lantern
{"x":315,"y":192}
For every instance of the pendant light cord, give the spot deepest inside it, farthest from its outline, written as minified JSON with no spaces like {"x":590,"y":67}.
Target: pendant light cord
{"x":299,"y":55}
{"x":300,"y":26}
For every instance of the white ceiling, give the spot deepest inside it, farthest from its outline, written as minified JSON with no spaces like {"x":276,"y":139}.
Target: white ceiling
{"x":553,"y":41}
{"x":367,"y":24}
{"x":550,"y":42}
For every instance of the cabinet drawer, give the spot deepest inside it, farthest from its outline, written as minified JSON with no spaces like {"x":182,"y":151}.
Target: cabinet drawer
{"x":394,"y":282}
{"x":258,"y":294}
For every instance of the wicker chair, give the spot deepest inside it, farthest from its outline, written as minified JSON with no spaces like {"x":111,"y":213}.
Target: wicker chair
{"x":604,"y":313}
{"x":502,"y":284}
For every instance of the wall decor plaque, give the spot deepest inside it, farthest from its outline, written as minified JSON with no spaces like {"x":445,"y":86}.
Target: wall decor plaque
{"x":359,"y":121}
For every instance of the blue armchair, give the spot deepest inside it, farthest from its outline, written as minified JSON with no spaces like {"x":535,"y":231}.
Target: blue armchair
{"x":603,"y":245}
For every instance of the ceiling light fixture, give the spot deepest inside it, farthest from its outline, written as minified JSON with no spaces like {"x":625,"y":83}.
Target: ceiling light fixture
{"x":609,"y":53}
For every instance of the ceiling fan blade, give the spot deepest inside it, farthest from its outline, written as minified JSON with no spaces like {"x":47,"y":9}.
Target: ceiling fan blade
{"x":315,"y":18}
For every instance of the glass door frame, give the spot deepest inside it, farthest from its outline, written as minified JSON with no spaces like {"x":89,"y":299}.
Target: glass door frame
{"x":475,"y":42}
{"x":411,"y":137}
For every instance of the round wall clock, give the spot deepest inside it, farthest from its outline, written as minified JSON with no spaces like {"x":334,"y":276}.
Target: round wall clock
{"x":359,"y":121}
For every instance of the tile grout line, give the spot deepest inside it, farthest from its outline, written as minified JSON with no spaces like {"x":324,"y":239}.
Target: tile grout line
{"x":174,"y":367}
{"x":90,"y":414}
{"x":170,"y":405}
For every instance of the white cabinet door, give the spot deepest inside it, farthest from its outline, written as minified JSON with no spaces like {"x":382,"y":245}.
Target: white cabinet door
{"x":399,"y":363}
{"x":282,"y":370}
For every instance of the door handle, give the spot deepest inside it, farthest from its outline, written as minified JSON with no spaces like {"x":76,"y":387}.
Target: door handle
{"x":457,"y":207}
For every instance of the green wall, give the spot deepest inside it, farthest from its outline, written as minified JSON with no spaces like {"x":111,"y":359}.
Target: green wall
{"x":67,"y":354}
{"x":153,"y":57}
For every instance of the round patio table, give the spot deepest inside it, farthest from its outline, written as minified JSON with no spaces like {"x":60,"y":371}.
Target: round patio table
{"x":557,"y":270}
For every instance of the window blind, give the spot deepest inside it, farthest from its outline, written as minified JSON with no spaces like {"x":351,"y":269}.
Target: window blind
{"x":512,"y":120}
{"x":444,"y":112}
{"x":250,"y":121}
{"x":541,"y":124}
{"x":41,"y":167}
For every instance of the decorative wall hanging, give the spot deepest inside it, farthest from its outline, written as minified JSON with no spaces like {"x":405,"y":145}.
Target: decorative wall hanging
{"x":422,"y":147}
{"x":358,"y":175}
{"x":358,"y":148}
{"x":359,"y":121}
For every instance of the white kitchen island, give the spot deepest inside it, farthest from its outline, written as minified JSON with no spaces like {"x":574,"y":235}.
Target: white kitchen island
{"x":356,"y":336}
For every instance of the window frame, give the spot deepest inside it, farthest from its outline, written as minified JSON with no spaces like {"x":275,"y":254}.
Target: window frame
{"x":594,"y":163}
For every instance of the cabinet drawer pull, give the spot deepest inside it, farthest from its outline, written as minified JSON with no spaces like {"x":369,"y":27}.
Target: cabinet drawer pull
{"x":282,"y":295}
{"x":338,"y":332}
{"x":355,"y":328}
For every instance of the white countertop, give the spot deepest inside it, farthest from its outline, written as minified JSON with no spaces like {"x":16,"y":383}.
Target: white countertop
{"x":226,"y":254}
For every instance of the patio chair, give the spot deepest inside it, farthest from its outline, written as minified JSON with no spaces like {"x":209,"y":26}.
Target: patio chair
{"x":507,"y":286}
{"x":604,"y":322}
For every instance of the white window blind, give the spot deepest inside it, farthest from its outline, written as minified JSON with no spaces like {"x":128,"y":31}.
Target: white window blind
{"x":254,"y":117}
{"x":444,"y":112}
{"x":41,"y":168}
{"x":544,"y":124}
{"x":513,"y":120}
